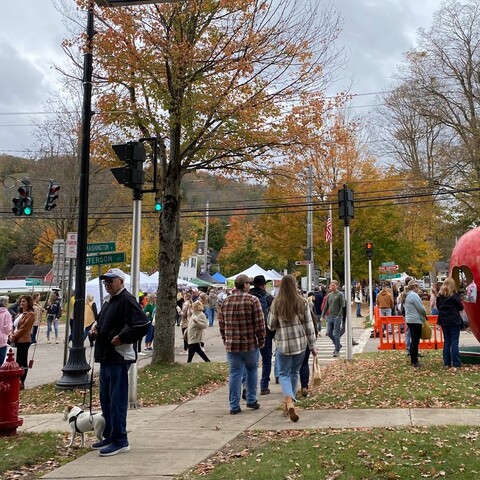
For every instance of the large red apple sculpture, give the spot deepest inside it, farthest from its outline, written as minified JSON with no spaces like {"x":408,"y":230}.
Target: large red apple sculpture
{"x":465,"y":259}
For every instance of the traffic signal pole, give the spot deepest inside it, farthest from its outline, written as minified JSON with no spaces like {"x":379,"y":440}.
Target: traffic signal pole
{"x":75,"y":372}
{"x":345,"y":213}
{"x":135,"y":285}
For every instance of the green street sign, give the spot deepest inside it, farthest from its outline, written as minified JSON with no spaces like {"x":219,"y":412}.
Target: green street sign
{"x":30,"y":282}
{"x":101,"y":247}
{"x":117,"y":257}
{"x":390,"y":276}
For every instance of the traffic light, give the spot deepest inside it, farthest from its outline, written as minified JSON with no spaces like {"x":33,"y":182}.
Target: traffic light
{"x":369,"y":249}
{"x":307,"y":253}
{"x":158,"y":203}
{"x":345,"y":203}
{"x":52,"y":196}
{"x":132,"y":175}
{"x":24,"y":203}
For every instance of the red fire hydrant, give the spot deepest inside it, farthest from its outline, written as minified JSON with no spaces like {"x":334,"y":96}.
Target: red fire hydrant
{"x":10,"y":373}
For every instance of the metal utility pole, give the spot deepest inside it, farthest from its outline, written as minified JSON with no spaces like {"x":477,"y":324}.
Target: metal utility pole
{"x":310,"y":230}
{"x":345,"y":213}
{"x":205,"y":247}
{"x":135,"y":285}
{"x":75,"y":372}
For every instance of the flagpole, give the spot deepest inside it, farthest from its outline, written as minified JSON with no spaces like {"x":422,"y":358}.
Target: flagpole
{"x":331,"y":243}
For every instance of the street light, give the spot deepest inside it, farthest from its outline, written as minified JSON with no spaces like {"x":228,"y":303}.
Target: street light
{"x":75,"y":371}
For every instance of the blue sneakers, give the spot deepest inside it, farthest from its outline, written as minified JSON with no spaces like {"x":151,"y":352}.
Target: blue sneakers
{"x":114,"y":449}
{"x":102,"y":444}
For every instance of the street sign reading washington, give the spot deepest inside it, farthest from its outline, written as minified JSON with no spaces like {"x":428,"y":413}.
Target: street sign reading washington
{"x":101,"y":247}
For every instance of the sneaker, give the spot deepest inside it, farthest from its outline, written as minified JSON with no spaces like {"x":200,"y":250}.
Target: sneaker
{"x":142,"y":354}
{"x":304,"y":392}
{"x":114,"y":449}
{"x":264,"y":391}
{"x":417,"y":365}
{"x":336,"y":354}
{"x":102,"y":444}
{"x":254,"y":406}
{"x":234,"y":412}
{"x":354,"y":342}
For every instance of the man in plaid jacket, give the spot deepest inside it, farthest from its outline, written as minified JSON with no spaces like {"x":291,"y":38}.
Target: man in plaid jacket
{"x":242,"y":327}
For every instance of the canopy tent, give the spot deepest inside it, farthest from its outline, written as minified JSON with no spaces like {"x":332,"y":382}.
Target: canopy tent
{"x":207,"y":278}
{"x":219,"y":278}
{"x":180,"y":282}
{"x":253,"y":271}
{"x":275,"y":275}
{"x":201,"y":283}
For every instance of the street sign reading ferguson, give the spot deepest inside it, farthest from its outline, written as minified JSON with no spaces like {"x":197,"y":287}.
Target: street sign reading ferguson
{"x":118,"y":257}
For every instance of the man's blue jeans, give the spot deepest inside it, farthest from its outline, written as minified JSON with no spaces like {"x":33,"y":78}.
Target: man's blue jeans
{"x":266,"y":353}
{"x":238,"y":361}
{"x":333,"y":330}
{"x":114,"y":401}
{"x":211,"y":315}
{"x":451,"y":353}
{"x":289,"y":371}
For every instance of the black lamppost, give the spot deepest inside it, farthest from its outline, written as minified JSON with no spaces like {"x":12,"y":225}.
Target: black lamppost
{"x":75,"y":371}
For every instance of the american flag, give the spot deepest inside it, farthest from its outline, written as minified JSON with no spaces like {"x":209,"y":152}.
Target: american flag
{"x":328,"y":230}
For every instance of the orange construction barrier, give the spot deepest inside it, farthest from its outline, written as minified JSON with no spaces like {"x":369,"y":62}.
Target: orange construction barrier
{"x":391,"y":332}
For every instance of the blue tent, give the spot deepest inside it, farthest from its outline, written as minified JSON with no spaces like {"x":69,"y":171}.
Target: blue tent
{"x":219,"y":277}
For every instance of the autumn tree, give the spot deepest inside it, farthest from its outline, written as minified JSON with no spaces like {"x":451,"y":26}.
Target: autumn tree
{"x":215,"y":77}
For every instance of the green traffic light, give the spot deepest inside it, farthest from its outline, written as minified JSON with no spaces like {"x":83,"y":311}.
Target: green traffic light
{"x":27,"y":211}
{"x":158,"y":206}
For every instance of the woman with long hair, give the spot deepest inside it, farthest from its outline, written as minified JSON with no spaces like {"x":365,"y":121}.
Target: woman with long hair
{"x":449,"y":308}
{"x":21,"y":335}
{"x":291,"y":320}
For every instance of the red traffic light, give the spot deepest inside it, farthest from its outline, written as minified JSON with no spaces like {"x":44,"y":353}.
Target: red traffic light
{"x":23,"y":191}
{"x":54,"y":189}
{"x":369,"y":246}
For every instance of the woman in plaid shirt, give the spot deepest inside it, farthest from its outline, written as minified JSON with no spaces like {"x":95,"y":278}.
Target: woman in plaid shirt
{"x":291,"y":320}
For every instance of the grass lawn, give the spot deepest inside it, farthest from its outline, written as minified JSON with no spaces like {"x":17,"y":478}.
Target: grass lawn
{"x":29,"y":455}
{"x":371,"y":380}
{"x":157,"y":385}
{"x":386,"y":380}
{"x":356,"y":454}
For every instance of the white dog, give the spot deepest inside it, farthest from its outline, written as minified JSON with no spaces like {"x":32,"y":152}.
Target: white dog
{"x":81,"y":422}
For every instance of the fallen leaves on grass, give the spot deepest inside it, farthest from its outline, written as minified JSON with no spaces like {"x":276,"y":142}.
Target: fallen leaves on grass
{"x":386,"y":380}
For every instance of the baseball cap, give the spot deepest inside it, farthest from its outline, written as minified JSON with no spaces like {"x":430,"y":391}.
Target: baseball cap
{"x":112,"y":273}
{"x":242,"y":279}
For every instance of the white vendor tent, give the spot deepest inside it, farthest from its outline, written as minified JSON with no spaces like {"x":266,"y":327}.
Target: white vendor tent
{"x":275,"y":275}
{"x":253,"y":271}
{"x":145,"y":285}
{"x":153,"y":279}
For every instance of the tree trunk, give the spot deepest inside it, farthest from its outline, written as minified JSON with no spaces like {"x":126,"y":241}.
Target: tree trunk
{"x":170,"y":252}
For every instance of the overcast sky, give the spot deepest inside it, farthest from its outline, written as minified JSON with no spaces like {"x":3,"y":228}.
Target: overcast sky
{"x":376,"y":34}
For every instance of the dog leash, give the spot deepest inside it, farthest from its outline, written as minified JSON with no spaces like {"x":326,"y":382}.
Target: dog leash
{"x":92,"y":364}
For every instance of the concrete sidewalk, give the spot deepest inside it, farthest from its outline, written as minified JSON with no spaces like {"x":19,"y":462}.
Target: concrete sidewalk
{"x":166,"y":441}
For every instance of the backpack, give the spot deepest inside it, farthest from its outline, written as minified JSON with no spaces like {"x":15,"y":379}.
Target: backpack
{"x":53,"y":309}
{"x":265,"y":308}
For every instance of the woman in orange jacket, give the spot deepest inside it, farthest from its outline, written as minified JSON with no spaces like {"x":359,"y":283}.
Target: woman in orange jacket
{"x":21,"y":336}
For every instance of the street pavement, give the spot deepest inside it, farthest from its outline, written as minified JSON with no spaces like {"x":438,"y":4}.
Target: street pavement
{"x":167,"y":440}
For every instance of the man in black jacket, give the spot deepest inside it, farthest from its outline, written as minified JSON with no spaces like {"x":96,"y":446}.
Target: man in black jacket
{"x":266,"y":300}
{"x":121,"y":323}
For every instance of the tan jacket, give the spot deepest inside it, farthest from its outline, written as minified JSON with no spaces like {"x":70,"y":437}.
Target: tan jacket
{"x":24,"y":328}
{"x":198,"y":323}
{"x":385,"y":299}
